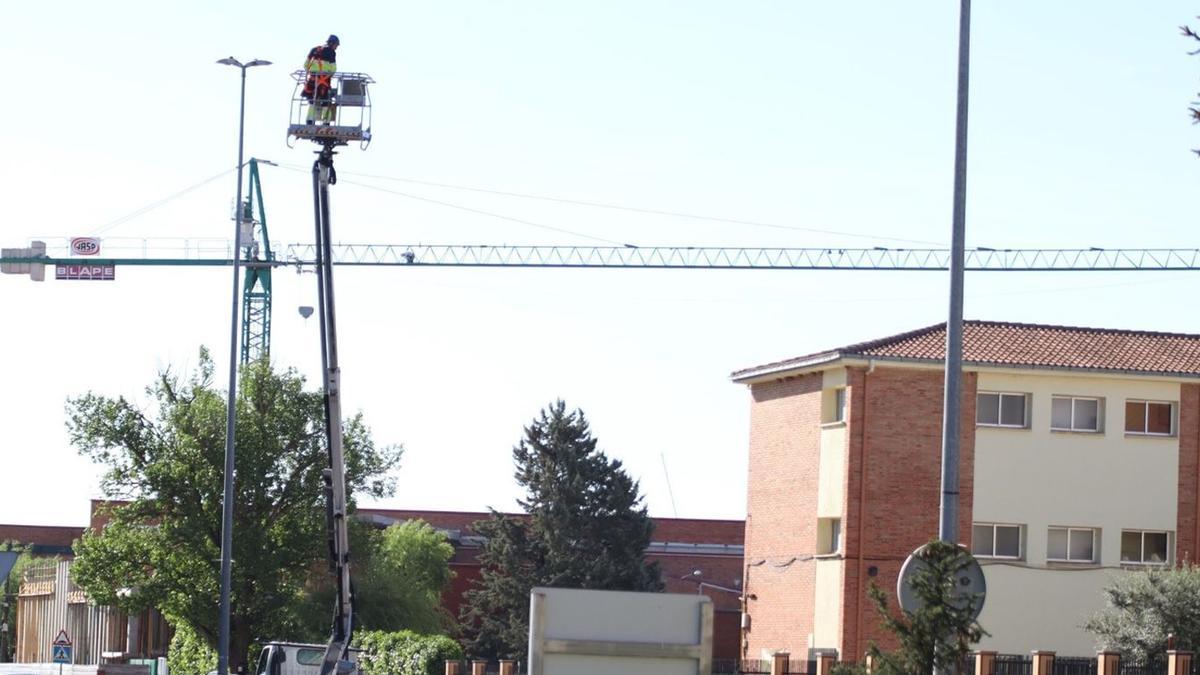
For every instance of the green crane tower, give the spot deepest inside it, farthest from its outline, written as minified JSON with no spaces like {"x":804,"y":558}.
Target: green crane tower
{"x":258,"y":258}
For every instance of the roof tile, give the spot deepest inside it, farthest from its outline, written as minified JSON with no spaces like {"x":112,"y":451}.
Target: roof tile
{"x":1025,"y":345}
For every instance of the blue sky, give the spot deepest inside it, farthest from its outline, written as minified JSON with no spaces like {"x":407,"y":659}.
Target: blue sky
{"x":828,"y":116}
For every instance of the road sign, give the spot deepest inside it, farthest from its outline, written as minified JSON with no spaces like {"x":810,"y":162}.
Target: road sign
{"x":62,"y":639}
{"x":86,"y":272}
{"x":7,"y":560}
{"x":62,"y":654}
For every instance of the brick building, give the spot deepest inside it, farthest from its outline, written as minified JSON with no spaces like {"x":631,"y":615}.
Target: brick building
{"x":695,"y":556}
{"x":681,"y":546}
{"x":1079,"y":457}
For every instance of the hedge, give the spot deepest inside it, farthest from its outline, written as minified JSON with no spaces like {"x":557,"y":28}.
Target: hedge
{"x":405,"y":653}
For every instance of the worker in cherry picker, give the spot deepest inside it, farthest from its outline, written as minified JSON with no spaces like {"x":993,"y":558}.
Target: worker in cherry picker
{"x":320,"y":65}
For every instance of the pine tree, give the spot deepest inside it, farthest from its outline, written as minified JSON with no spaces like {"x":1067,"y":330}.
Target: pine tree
{"x":941,"y":633}
{"x":586,"y":528}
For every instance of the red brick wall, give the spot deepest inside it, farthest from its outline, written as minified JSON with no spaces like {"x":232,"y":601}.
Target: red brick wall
{"x":893,"y":487}
{"x":781,"y":512}
{"x":44,"y":535}
{"x":1187,"y":536}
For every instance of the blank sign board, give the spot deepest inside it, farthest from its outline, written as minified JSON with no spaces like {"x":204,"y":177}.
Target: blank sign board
{"x":619,"y":632}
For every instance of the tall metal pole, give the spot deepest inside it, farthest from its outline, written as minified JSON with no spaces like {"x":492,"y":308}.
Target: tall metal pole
{"x":948,"y":525}
{"x":231,"y":398}
{"x":231,"y":413}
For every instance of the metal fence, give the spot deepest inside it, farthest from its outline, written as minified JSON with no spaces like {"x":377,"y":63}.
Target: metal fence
{"x":1074,"y":665}
{"x":1151,"y":667}
{"x":1014,"y":664}
{"x":761,"y":667}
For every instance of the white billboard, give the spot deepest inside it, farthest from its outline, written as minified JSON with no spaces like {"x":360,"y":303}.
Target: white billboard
{"x":619,"y":632}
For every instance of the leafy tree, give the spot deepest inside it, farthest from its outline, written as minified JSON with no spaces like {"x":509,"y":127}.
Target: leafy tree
{"x":1142,"y":608}
{"x":9,"y":586}
{"x":161,"y":547}
{"x":941,"y":633}
{"x":586,"y":528}
{"x":1193,"y":111}
{"x":399,"y":576}
{"x":189,"y":654}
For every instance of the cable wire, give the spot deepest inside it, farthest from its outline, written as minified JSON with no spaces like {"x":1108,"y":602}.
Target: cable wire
{"x":657,"y":212}
{"x":150,"y":207}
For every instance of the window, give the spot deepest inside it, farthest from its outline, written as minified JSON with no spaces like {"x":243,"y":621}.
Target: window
{"x":1143,"y":547}
{"x":829,"y":535}
{"x":833,"y":406}
{"x":1070,"y":413}
{"x":1000,"y":410}
{"x":1071,"y":544}
{"x":996,"y":541}
{"x":310,"y":657}
{"x":1153,"y":418}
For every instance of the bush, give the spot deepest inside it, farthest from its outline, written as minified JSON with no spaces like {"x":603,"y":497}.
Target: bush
{"x":189,"y":654}
{"x":406,"y":653}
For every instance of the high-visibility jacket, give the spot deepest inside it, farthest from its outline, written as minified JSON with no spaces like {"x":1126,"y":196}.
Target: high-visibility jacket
{"x":321,"y":64}
{"x":321,"y":59}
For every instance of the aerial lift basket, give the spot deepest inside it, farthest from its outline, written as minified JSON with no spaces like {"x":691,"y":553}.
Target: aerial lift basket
{"x":342,"y":118}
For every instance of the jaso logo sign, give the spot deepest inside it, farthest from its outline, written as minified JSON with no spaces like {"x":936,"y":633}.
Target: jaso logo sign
{"x":85,"y":246}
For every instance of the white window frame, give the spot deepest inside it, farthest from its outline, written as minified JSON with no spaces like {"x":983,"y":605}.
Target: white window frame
{"x":1000,"y":409}
{"x":1069,"y":530}
{"x":994,"y":556}
{"x":1146,"y":418}
{"x":839,"y":404}
{"x":1099,"y":414}
{"x":1143,"y":562}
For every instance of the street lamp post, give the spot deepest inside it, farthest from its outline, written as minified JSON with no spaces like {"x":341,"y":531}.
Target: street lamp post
{"x":231,"y":403}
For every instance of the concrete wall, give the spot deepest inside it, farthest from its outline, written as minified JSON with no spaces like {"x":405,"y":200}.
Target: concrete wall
{"x":1040,"y":478}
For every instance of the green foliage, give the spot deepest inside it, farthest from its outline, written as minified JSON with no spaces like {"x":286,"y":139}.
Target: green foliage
{"x":11,"y":585}
{"x":845,"y":668}
{"x":587,"y":528}
{"x":189,"y":654}
{"x":1142,"y":607}
{"x":942,"y":632}
{"x":399,"y":576}
{"x":405,"y":653}
{"x":163,"y":545}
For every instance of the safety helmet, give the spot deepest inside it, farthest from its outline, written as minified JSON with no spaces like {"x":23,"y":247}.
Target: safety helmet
{"x":333,"y":40}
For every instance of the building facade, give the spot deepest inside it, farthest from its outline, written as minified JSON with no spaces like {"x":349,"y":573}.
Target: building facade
{"x":1078,"y":461}
{"x":695,"y":556}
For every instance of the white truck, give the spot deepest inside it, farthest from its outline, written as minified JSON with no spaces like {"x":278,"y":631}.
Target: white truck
{"x":291,"y":658}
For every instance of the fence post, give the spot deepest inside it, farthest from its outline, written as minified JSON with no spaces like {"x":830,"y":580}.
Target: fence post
{"x":985,"y":663}
{"x":509,"y":667}
{"x":1108,"y":663}
{"x":1043,"y":662}
{"x":869,"y":662}
{"x":825,"y":662}
{"x":779,"y":663}
{"x":1179,"y":662}
{"x":453,"y":667}
{"x":479,"y":667}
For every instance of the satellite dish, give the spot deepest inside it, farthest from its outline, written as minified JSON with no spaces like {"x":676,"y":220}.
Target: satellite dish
{"x":305,"y":311}
{"x":969,"y":582}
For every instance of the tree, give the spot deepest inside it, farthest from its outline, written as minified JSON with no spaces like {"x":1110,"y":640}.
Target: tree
{"x":161,"y":547}
{"x":939,"y":634}
{"x":1193,"y":111}
{"x":1142,"y":608}
{"x":586,"y":528}
{"x":400,"y":574}
{"x":9,"y":587}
